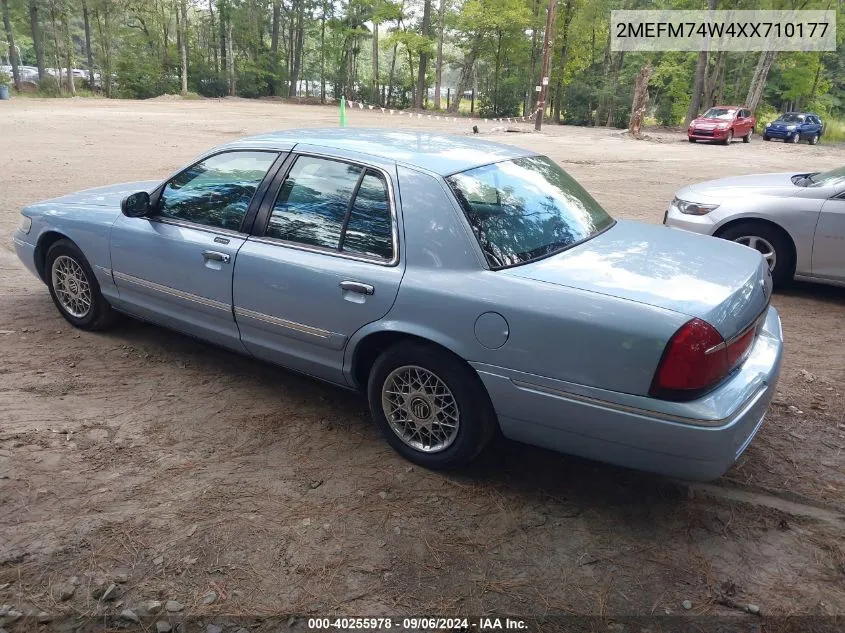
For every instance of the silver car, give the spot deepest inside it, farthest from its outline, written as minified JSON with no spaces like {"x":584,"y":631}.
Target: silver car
{"x":796,"y":221}
{"x":465,"y":287}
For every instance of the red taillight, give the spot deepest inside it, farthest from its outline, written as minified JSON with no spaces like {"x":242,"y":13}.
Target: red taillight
{"x":739,"y":347}
{"x":695,"y":358}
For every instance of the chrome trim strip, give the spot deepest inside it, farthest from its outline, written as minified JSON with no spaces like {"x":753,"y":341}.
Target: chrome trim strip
{"x":18,"y":242}
{"x":105,"y":270}
{"x":197,"y":227}
{"x":179,"y":294}
{"x":284,"y":323}
{"x":394,"y":218}
{"x":567,"y":395}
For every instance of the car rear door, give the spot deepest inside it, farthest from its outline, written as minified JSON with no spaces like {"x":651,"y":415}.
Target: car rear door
{"x":175,"y":266}
{"x":323,"y":262}
{"x":829,"y":239}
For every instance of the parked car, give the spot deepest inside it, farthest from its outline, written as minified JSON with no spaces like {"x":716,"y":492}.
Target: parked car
{"x":796,"y":221}
{"x":465,"y":287}
{"x":795,"y":126}
{"x":722,"y":124}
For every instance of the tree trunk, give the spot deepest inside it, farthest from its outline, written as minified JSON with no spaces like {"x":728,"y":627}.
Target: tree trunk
{"x":496,"y":73}
{"x":419,"y":97}
{"x":611,"y":108}
{"x":212,"y":35}
{"x":816,"y":79}
{"x":274,"y":47}
{"x":182,"y":30}
{"x":104,"y":28}
{"x":323,"y":55}
{"x":712,"y":82}
{"x":758,"y":81}
{"x":567,"y":20}
{"x":532,"y":71}
{"x":221,"y":16}
{"x":230,"y":58}
{"x":438,"y":68}
{"x":698,"y":87}
{"x":68,"y":50}
{"x":297,"y":32}
{"x":374,"y":80}
{"x":13,"y":52}
{"x":392,"y":74}
{"x":37,"y":42}
{"x":639,"y":102}
{"x":88,"y":53}
{"x":466,"y":75}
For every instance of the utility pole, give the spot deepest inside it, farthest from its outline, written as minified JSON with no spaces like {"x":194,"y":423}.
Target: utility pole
{"x":544,"y":74}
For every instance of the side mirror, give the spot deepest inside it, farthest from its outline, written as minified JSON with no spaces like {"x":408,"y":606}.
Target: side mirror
{"x":136,"y":205}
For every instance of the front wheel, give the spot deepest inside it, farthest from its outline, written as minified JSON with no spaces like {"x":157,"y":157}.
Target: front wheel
{"x":430,"y":406}
{"x":766,"y":137}
{"x":729,"y":138}
{"x":814,"y":140}
{"x":74,"y":288}
{"x":770,"y":241}
{"x":795,"y":138}
{"x":690,"y":139}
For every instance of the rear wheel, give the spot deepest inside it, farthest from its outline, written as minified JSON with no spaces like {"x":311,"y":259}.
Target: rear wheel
{"x":771,"y":242}
{"x":747,"y":137}
{"x":431,"y":407}
{"x":74,"y":288}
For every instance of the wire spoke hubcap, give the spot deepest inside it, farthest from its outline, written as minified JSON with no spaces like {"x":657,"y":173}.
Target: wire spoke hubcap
{"x":763,"y":246}
{"x":420,"y":409}
{"x":71,"y":285}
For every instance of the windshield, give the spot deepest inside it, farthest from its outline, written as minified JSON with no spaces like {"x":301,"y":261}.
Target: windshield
{"x":791,"y":118}
{"x":828,"y":177}
{"x":719,"y":113}
{"x":525,"y":209}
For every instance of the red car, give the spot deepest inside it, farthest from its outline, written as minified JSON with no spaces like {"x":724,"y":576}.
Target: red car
{"x":722,"y":124}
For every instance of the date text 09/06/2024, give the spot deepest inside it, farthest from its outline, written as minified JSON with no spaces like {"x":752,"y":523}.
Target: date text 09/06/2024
{"x":486,"y":623}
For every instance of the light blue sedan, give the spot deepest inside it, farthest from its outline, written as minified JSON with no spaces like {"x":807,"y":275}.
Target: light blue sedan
{"x":466,"y":287}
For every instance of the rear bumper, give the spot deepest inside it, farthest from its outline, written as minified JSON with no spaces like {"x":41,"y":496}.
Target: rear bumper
{"x":696,"y":441}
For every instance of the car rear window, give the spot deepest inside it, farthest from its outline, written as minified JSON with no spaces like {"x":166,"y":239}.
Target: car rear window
{"x":525,"y":209}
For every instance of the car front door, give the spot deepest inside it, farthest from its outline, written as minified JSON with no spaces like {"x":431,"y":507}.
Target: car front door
{"x":175,"y":266}
{"x":324,"y":262}
{"x":829,"y":240}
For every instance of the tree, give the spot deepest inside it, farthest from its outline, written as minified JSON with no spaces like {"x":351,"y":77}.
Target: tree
{"x":88,"y":54}
{"x":640,"y":101}
{"x":422,"y":69}
{"x":438,"y":68}
{"x":10,"y":38}
{"x":37,"y":44}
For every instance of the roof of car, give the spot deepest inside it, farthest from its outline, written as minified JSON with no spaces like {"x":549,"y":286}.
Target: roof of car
{"x":443,"y":154}
{"x":800,"y":113}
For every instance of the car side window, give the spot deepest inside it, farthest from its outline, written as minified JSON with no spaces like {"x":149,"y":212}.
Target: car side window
{"x":216,"y":192}
{"x":313,"y":201}
{"x":369,"y":231}
{"x":315,"y":207}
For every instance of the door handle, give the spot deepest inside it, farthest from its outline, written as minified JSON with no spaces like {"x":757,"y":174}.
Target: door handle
{"x":216,"y":256}
{"x":357,"y":286}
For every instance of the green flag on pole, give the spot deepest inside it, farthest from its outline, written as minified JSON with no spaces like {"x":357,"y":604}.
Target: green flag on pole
{"x":343,"y":112}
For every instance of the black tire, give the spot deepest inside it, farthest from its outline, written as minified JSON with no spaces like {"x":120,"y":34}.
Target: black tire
{"x":729,"y":138}
{"x":767,"y":138}
{"x":795,"y":138}
{"x":747,"y":137}
{"x":477,"y":422}
{"x":814,"y":139}
{"x":784,"y":260}
{"x":100,"y":314}
{"x":691,"y":140}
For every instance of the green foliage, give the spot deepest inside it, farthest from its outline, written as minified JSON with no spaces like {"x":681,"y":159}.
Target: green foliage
{"x":49,"y":87}
{"x":5,"y":80}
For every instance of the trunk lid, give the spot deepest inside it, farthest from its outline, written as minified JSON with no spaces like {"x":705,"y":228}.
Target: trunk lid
{"x":726,"y":284}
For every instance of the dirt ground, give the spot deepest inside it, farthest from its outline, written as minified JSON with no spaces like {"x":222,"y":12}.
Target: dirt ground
{"x":179,"y":471}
